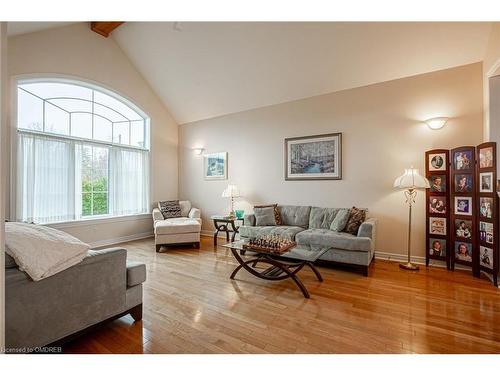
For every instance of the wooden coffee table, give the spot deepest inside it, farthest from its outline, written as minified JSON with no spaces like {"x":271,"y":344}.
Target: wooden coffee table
{"x":281,"y":267}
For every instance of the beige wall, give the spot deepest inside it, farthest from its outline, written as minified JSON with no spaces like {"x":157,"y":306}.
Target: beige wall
{"x":76,"y":51}
{"x":3,"y":124}
{"x":382,"y":131}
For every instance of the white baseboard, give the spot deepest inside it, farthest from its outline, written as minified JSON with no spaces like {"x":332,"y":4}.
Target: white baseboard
{"x":118,"y":240}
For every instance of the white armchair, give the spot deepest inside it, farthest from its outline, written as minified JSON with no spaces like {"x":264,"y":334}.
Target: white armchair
{"x":178,"y":230}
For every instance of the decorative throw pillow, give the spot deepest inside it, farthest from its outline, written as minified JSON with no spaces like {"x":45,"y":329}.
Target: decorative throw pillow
{"x":264,"y":216}
{"x":277,"y":216}
{"x":356,"y":218}
{"x":340,"y":220}
{"x":170,"y":209}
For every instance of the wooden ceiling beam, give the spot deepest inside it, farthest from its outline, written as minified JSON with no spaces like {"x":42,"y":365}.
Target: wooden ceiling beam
{"x":104,"y":28}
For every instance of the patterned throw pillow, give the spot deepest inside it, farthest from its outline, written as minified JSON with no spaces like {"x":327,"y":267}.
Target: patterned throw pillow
{"x":356,"y":218}
{"x":277,"y":216}
{"x":170,"y":209}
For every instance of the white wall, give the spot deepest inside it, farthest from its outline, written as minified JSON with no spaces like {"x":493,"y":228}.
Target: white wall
{"x":3,"y":124}
{"x":77,"y":51}
{"x":382,"y":131}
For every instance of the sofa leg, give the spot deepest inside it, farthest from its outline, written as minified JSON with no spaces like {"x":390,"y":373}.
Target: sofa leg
{"x":365,"y":271}
{"x":196,"y":245}
{"x":158,"y":247}
{"x":136,"y":312}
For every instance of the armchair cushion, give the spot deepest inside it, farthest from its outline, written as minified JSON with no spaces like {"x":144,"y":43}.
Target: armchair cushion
{"x":194,"y":213}
{"x":177,"y":226}
{"x":185,"y":207}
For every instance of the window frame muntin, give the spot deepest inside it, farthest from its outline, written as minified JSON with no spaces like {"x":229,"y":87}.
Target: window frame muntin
{"x":145,"y":119}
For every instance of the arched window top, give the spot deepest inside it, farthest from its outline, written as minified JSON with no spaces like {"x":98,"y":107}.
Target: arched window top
{"x":80,"y":110}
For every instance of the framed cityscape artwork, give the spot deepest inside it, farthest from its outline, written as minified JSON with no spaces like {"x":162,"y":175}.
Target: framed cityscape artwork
{"x":316,"y":157}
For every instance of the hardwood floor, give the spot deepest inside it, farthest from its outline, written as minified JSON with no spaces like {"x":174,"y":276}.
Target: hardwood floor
{"x":191,"y":306}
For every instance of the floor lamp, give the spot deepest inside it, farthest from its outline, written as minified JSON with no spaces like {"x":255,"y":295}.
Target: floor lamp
{"x":410,"y":181}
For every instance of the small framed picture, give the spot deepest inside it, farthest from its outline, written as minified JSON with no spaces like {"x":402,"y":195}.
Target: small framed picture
{"x":462,"y":160}
{"x":486,"y":257}
{"x":486,"y":182}
{"x":437,"y":205}
{"x":486,"y":157}
{"x":437,"y":247}
{"x":463,"y":183}
{"x":437,"y":225}
{"x":463,"y":228}
{"x":486,"y":232}
{"x":438,"y":183}
{"x":463,"y":206}
{"x":486,"y":207}
{"x":215,"y":166}
{"x":463,"y":251}
{"x":437,"y":162}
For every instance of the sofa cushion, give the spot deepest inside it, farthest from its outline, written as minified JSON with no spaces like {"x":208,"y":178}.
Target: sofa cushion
{"x":340,"y":221}
{"x":326,"y":237}
{"x":322,"y":218}
{"x":264,"y":215}
{"x":185,"y":207}
{"x":356,"y":218}
{"x":136,"y":273}
{"x":170,"y":209}
{"x":285,"y":231}
{"x":277,"y":216}
{"x":177,"y":226}
{"x":295,"y":215}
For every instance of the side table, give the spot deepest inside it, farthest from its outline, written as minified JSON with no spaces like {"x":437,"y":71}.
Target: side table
{"x":226,"y":224}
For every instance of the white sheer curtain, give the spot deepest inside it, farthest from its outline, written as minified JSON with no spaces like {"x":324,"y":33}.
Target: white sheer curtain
{"x":128,"y":181}
{"x":45,"y":179}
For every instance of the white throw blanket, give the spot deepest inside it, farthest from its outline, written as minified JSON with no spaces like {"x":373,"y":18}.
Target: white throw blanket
{"x":42,"y":251}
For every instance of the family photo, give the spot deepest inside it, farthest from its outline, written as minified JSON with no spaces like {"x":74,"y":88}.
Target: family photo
{"x":486,"y":182}
{"x":486,"y":157}
{"x":463,"y":183}
{"x":438,"y":183}
{"x":463,"y":228}
{"x":486,"y":232}
{"x":437,"y":205}
{"x":463,"y":251}
{"x":462,"y":160}
{"x":437,"y":247}
{"x":486,"y":207}
{"x":437,"y":162}
{"x":486,"y":257}
{"x":463,"y":205}
{"x":437,"y":225}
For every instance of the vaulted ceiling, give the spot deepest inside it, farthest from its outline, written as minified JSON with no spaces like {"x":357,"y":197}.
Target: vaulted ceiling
{"x":207,"y":69}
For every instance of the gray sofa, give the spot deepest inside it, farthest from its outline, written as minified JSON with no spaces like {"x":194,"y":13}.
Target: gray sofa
{"x":311,"y":225}
{"x":102,"y":287}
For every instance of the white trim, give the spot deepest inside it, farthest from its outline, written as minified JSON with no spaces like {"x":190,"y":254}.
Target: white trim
{"x":102,"y":220}
{"x":119,"y":240}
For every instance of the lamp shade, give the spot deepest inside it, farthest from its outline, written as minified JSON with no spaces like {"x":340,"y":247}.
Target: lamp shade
{"x":411,"y":179}
{"x":231,"y":191}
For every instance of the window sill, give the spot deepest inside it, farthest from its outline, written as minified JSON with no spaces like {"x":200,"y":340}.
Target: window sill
{"x":101,"y":220}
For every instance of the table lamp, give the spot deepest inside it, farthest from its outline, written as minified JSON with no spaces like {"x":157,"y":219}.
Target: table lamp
{"x":410,"y":181}
{"x":232,"y":192}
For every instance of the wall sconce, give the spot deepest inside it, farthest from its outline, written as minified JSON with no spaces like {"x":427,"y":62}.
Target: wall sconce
{"x":436,"y":122}
{"x":198,"y":150}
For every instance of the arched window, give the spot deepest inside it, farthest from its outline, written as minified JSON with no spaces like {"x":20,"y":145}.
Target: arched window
{"x":83,"y":151}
